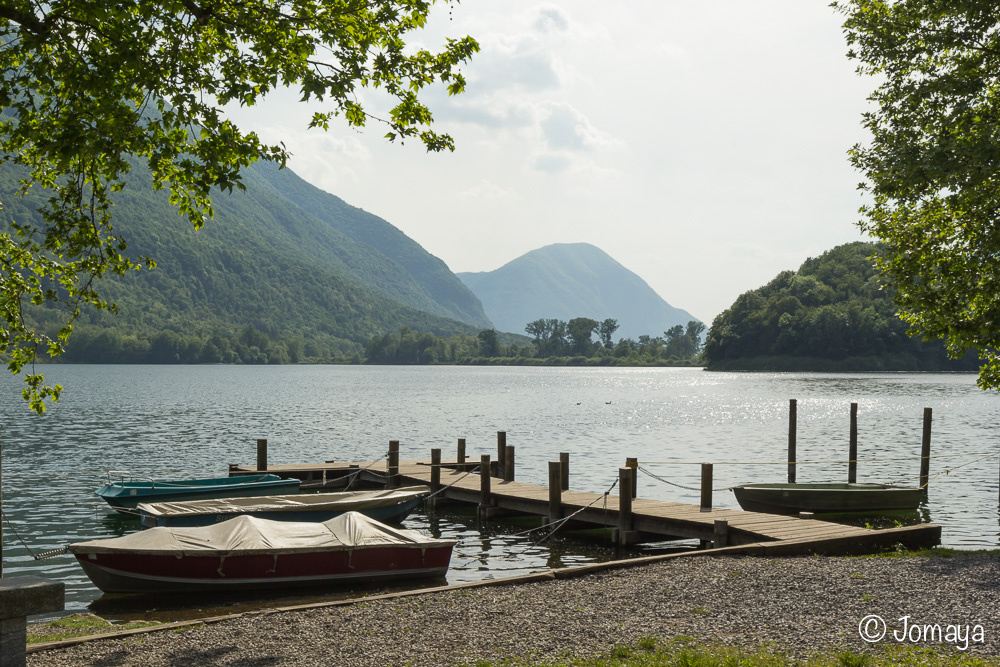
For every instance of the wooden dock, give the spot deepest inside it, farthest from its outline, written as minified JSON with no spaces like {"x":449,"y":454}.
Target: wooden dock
{"x":632,"y":520}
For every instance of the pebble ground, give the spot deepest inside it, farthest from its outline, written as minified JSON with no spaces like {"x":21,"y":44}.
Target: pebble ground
{"x":798,"y":605}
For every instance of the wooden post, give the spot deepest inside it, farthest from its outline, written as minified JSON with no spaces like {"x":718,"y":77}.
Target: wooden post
{"x":564,"y":467}
{"x":555,"y":491}
{"x":501,"y":452}
{"x":435,"y":470}
{"x":484,"y":483}
{"x":624,"y":504}
{"x":852,"y":456}
{"x":706,"y":486}
{"x":392,"y":467}
{"x":508,"y":464}
{"x":792,"y":417}
{"x":460,"y":453}
{"x":261,"y":454}
{"x":633,"y":465}
{"x":721,"y":533}
{"x":925,"y":451}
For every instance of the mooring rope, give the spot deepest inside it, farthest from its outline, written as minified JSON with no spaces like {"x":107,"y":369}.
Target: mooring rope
{"x":680,"y":486}
{"x":559,"y":523}
{"x":775,"y":463}
{"x":947,"y":471}
{"x":41,"y":556}
{"x":445,"y":488}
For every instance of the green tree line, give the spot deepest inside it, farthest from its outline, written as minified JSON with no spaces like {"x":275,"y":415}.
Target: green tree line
{"x":831,"y":314}
{"x":556,"y":343}
{"x":553,"y":342}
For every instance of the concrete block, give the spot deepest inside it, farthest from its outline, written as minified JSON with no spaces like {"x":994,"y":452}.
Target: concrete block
{"x":26,"y":596}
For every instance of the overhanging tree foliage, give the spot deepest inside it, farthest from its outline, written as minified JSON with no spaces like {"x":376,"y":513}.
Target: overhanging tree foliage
{"x":87,"y":84}
{"x":933,"y":163}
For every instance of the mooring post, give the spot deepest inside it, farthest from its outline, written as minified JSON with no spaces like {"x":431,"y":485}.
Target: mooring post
{"x":392,"y":466}
{"x":852,"y":456}
{"x":460,"y":453}
{"x":624,"y":504}
{"x":484,"y":485}
{"x":501,"y":453}
{"x":721,"y":533}
{"x":435,"y":470}
{"x":508,"y":463}
{"x":632,"y":463}
{"x":792,"y":417}
{"x":261,"y":454}
{"x":706,"y":486}
{"x":555,"y":491}
{"x":564,"y":467}
{"x":925,"y":451}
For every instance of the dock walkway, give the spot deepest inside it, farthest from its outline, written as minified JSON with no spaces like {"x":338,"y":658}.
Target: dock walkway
{"x":643,"y":520}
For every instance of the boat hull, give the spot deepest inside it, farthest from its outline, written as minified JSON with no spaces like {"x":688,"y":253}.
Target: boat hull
{"x":130,"y":573}
{"x":395,"y":513}
{"x":826,"y":498}
{"x":249,"y":553}
{"x":125,"y":496}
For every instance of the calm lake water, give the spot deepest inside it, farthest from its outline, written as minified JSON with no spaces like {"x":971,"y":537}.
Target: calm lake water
{"x":175,"y":421}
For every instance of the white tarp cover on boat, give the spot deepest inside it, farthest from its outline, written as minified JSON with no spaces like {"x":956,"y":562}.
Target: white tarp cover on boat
{"x":247,"y":535}
{"x":346,"y":500}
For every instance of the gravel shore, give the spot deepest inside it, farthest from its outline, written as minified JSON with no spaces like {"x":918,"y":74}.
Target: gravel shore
{"x":800,"y":605}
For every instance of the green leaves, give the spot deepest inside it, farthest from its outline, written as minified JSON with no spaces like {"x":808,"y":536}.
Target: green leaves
{"x":87,"y":84}
{"x":932,"y":162}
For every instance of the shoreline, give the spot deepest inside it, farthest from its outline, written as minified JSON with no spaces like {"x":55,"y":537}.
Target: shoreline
{"x":800,"y":604}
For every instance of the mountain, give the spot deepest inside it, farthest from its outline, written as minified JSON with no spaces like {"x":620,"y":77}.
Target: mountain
{"x":568,"y":280}
{"x":830,"y":315}
{"x":283,"y":257}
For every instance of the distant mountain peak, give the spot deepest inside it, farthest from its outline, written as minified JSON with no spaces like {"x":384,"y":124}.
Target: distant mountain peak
{"x":567,"y":280}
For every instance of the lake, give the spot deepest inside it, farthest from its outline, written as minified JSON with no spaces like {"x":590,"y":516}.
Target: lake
{"x":176,"y":421}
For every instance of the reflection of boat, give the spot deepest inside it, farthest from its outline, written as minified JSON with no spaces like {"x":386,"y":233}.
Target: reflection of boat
{"x":247,"y":553}
{"x":126,"y":494}
{"x":392,"y":505}
{"x":826,"y":498}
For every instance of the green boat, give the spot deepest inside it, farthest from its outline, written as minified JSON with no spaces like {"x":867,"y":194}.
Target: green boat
{"x":826,"y":498}
{"x":125,"y":494}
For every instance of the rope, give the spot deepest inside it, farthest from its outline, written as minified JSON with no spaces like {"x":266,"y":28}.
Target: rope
{"x":800,"y":463}
{"x":445,"y":488}
{"x":354,"y":475}
{"x":45,"y":554}
{"x":563,"y":520}
{"x":946,"y":471}
{"x":680,"y":486}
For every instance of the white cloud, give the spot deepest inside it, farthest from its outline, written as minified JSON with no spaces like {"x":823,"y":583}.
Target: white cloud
{"x":566,"y":128}
{"x":551,"y":19}
{"x":486,"y":190}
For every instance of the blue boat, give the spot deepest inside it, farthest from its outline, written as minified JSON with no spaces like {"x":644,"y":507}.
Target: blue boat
{"x":390,"y":505}
{"x":124,"y":495}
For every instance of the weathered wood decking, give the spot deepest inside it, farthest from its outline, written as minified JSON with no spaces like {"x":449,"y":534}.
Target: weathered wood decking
{"x":648,"y":520}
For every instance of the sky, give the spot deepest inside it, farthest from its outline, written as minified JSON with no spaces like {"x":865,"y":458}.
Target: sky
{"x":703,"y":145}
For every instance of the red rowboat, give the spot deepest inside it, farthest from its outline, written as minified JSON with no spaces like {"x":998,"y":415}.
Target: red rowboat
{"x":247,"y":553}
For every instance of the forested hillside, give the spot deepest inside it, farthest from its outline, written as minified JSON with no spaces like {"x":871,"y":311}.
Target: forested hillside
{"x":829,"y":315}
{"x":269,"y":279}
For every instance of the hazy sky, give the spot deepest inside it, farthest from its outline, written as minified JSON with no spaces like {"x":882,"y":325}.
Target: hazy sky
{"x":701,"y":144}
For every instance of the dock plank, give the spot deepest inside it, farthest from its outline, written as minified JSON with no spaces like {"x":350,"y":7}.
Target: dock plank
{"x":652,"y":518}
